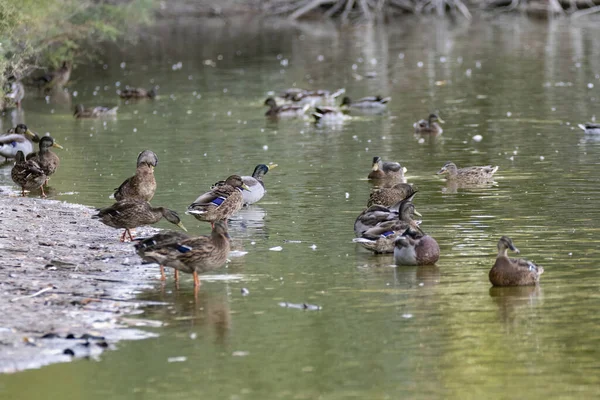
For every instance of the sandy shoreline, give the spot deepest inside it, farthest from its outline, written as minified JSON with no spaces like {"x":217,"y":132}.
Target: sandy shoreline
{"x":86,"y":282}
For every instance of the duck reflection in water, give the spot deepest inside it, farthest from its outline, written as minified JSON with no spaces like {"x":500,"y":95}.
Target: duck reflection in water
{"x":513,"y":300}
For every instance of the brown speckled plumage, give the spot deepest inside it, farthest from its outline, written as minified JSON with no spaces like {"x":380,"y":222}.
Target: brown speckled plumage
{"x":142,"y":185}
{"x":207,"y":208}
{"x":513,"y":271}
{"x":468,"y":174}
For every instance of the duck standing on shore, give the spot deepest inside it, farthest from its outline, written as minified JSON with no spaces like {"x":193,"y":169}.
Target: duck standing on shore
{"x":130,"y":213}
{"x":142,"y":185}
{"x":27,"y":174}
{"x":193,"y":255}
{"x":46,"y":159}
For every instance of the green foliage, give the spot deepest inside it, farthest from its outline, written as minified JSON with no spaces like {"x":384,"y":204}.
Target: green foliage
{"x":44,"y":33}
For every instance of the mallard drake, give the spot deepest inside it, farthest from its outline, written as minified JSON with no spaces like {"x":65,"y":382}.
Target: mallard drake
{"x":429,"y":125}
{"x":389,"y":170}
{"x":142,"y":185}
{"x":94,"y":112}
{"x":27,"y":174}
{"x":590,"y":129}
{"x":17,"y":139}
{"x":513,"y":271}
{"x":415,"y":248}
{"x":329,"y":115}
{"x":376,"y":215}
{"x":57,"y":78}
{"x":285,"y":110}
{"x":194,"y":255}
{"x":129,"y":214}
{"x":15,"y":94}
{"x":468,"y":174}
{"x":381,"y":238}
{"x":221,"y":202}
{"x":372,"y":102}
{"x":389,"y":196}
{"x":138,"y":93}
{"x":255,"y":184}
{"x":46,"y":159}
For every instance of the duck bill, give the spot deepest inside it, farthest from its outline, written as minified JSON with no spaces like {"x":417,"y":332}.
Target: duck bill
{"x":57,"y":145}
{"x":246,"y":187}
{"x":418,"y":214}
{"x":375,"y":167}
{"x":440,"y":120}
{"x":271,"y":166}
{"x":181,"y":226}
{"x":513,"y":248}
{"x":441,"y":171}
{"x":32,"y":135}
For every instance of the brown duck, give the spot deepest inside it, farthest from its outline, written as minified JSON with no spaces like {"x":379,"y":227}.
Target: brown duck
{"x":129,"y":214}
{"x":386,"y":170}
{"x":138,"y":93}
{"x":473,"y":175}
{"x":28,"y":174}
{"x":221,"y":202}
{"x":390,"y":196}
{"x":194,"y":255}
{"x":46,"y":159}
{"x":142,"y":185}
{"x":513,"y":271}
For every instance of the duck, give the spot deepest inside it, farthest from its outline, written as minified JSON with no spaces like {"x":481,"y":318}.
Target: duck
{"x":18,"y":139}
{"x":513,"y":271}
{"x":221,"y":202}
{"x":371,"y":102}
{"x":15,"y":94}
{"x":289,"y":94}
{"x":94,"y":112}
{"x":390,"y":196}
{"x":57,"y":78}
{"x":194,"y":255}
{"x":138,"y":93}
{"x":590,"y":129}
{"x":285,"y":110}
{"x":142,"y":185}
{"x":328,"y":115}
{"x":386,"y":170}
{"x":415,"y":248}
{"x":27,"y":174}
{"x":161,"y":239}
{"x":429,"y":125}
{"x":255,"y":184}
{"x":314,"y":97}
{"x":131,"y":213}
{"x":471,"y":175}
{"x":378,"y":214}
{"x":46,"y":159}
{"x":381,"y":238}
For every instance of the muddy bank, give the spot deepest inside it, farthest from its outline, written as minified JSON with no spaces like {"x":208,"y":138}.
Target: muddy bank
{"x":84,"y":283}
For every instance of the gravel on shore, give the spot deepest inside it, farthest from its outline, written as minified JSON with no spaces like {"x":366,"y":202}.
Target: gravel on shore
{"x":67,"y":285}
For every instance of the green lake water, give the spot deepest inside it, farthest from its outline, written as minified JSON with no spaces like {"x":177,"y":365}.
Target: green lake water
{"x":383,"y":332}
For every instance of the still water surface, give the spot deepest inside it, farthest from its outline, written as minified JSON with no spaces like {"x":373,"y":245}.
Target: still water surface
{"x":383,"y":332}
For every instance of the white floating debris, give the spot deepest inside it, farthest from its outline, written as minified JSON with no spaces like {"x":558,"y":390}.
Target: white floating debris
{"x":237,"y":253}
{"x":541,"y":158}
{"x":421,"y":140}
{"x":347,"y":195}
{"x":590,"y":85}
{"x":478,"y":138}
{"x":407,"y":316}
{"x":245,"y":292}
{"x":508,"y":113}
{"x":314,"y":246}
{"x":193,"y":335}
{"x":176,"y":359}
{"x":420,"y":64}
{"x":265,"y":147}
{"x":240,"y":353}
{"x":276,"y":248}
